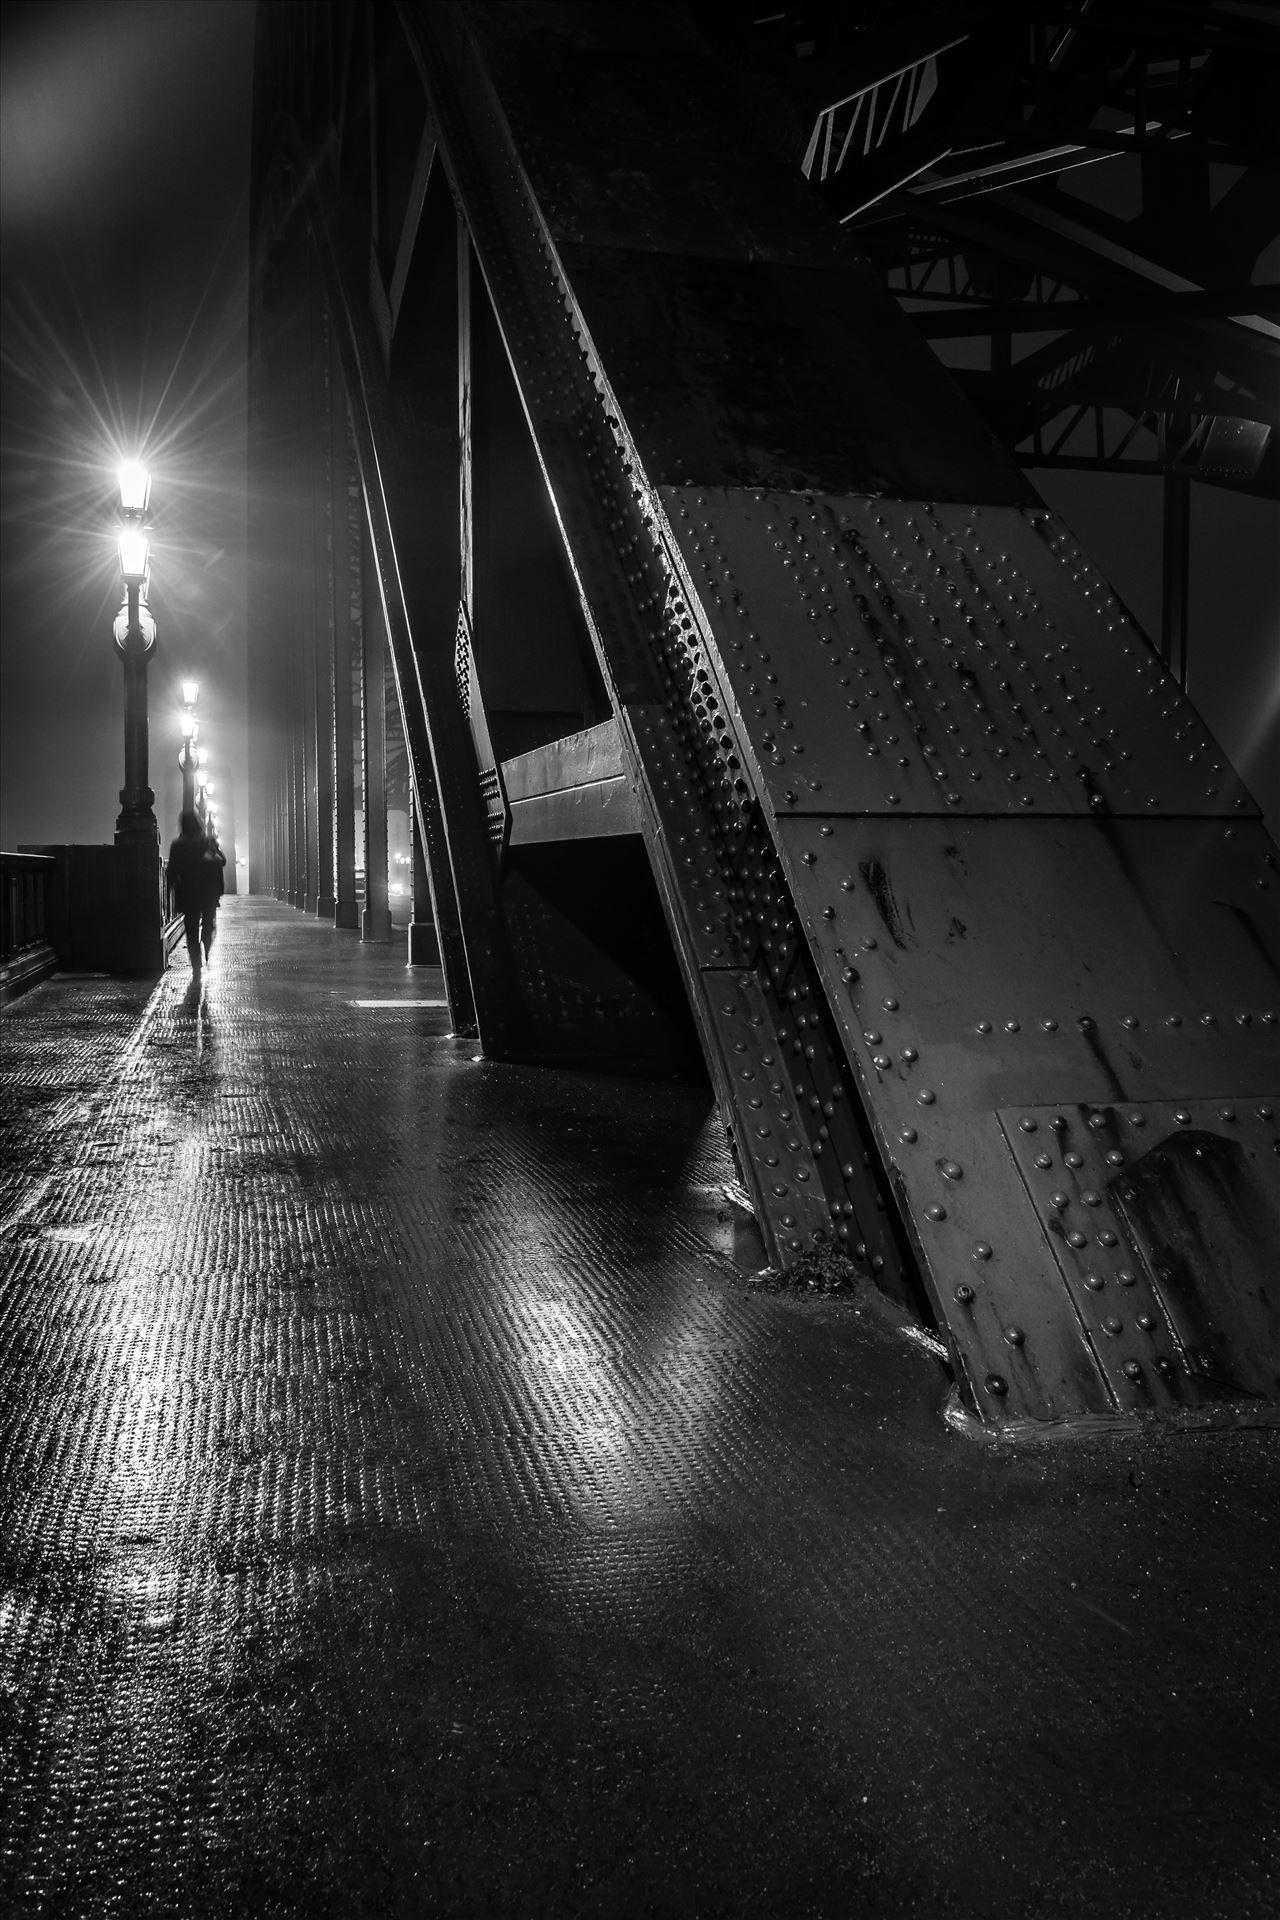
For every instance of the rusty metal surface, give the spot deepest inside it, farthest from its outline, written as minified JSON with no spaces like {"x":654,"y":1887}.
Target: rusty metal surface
{"x":408,"y":1507}
{"x":1164,"y":1218}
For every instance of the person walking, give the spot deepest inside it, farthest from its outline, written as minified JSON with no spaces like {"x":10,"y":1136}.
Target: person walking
{"x":215,"y":864}
{"x":195,"y":885}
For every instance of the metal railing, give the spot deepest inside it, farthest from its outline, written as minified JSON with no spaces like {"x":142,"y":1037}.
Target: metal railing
{"x":23,"y":902}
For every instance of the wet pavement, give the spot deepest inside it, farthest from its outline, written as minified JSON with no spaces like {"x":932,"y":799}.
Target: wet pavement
{"x":409,"y":1506}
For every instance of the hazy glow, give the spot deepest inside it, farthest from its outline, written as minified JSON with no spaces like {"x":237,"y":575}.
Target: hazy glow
{"x":190,"y":692}
{"x":122,"y":339}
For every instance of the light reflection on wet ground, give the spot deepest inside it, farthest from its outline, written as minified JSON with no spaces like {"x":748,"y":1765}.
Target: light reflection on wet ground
{"x":409,"y":1507}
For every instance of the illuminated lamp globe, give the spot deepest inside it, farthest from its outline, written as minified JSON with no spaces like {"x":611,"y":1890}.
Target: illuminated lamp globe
{"x":135,"y":487}
{"x":190,"y":692}
{"x":133,"y":547}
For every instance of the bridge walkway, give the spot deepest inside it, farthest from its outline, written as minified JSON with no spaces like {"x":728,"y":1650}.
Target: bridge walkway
{"x":412,"y":1503}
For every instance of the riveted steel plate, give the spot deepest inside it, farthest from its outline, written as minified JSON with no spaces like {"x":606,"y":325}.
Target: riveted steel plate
{"x":894,"y":657}
{"x":1024,"y":954}
{"x":971,"y":966}
{"x":1164,"y":1219}
{"x":771,"y":1131}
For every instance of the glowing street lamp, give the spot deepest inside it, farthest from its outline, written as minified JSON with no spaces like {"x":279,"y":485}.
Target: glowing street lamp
{"x":134,"y":548}
{"x":135,"y":488}
{"x":187,"y":760}
{"x":187,"y":751}
{"x":138,"y":945}
{"x":134,"y":631}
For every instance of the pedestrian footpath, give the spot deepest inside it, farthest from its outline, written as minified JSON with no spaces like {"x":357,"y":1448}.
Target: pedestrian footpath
{"x":410,"y":1504}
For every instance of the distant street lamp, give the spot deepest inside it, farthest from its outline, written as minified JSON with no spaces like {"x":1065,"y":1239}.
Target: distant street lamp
{"x":187,"y":760}
{"x":187,"y":752}
{"x":135,"y":636}
{"x":201,"y":780}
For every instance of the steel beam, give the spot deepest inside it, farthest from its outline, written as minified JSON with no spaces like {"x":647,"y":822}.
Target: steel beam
{"x":375,"y":921}
{"x":871,"y":707}
{"x":977,"y":926}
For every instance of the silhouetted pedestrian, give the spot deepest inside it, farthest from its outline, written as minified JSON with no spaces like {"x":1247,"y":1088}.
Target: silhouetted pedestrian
{"x":215,"y":865}
{"x":195,"y":884}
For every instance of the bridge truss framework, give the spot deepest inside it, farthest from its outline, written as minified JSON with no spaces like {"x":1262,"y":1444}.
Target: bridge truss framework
{"x":755,"y":707}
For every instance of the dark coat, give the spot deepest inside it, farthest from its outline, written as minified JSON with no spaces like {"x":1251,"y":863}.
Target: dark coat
{"x":195,"y":874}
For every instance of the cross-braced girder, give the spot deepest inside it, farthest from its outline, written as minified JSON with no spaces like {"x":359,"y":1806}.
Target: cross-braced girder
{"x":965,"y":904}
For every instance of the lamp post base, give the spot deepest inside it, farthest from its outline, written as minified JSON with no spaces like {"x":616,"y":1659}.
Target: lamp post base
{"x":139,"y":917}
{"x":137,"y":815}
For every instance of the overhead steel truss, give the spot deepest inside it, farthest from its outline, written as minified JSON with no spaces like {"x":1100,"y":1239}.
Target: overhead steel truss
{"x":713,"y":608}
{"x":1093,"y":191}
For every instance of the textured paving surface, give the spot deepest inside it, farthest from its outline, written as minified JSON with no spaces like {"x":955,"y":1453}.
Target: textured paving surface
{"x":408,"y":1507}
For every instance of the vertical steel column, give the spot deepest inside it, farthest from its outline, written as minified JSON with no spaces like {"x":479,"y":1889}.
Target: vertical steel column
{"x":297,"y":892}
{"x":322,"y":584}
{"x":310,"y":729}
{"x":409,"y":459}
{"x":344,"y":490}
{"x":376,"y":920}
{"x":268,"y":877}
{"x":299,"y":662}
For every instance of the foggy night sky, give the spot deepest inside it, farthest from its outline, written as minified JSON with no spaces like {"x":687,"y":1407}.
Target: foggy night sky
{"x":124,"y":170}
{"x":124,"y":136}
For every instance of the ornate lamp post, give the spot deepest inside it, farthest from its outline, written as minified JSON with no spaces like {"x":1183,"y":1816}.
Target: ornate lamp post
{"x":137,"y":921}
{"x":135,"y":636}
{"x":187,"y":752}
{"x":187,"y":760}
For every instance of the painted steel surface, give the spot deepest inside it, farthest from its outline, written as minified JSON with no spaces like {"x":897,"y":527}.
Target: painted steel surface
{"x":908,"y":754}
{"x":887,"y":655}
{"x":1164,"y":1220}
{"x":935,"y":836}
